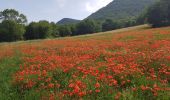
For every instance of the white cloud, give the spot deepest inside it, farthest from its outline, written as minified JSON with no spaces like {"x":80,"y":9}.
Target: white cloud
{"x":96,"y":4}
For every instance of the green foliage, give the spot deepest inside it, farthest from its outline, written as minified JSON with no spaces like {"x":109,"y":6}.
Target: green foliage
{"x":55,"y":29}
{"x":159,"y":14}
{"x":154,"y":15}
{"x":11,"y":31}
{"x":40,"y":30}
{"x":45,"y":29}
{"x":64,"y":30}
{"x":73,"y":29}
{"x":31,"y":31}
{"x":88,"y":26}
{"x":109,"y":25}
{"x":11,"y":14}
{"x":141,"y":19}
{"x":130,"y":22}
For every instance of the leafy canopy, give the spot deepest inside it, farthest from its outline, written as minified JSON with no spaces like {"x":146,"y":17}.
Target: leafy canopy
{"x":11,"y":14}
{"x":11,"y":31}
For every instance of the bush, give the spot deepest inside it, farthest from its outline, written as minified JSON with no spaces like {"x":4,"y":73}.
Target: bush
{"x":11,"y":31}
{"x":88,"y":26}
{"x":109,"y":24}
{"x":40,"y":30}
{"x":64,"y":30}
{"x":55,"y":29}
{"x":159,"y":14}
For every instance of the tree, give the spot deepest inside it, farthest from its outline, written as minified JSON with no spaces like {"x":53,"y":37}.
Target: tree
{"x":1,"y":16}
{"x":11,"y":31}
{"x":44,"y":29}
{"x":40,"y":30}
{"x":32,"y":31}
{"x":141,"y":19}
{"x":88,"y":26}
{"x":165,"y":5}
{"x":130,"y":22}
{"x":154,"y":16}
{"x":55,"y":29}
{"x":65,"y":30}
{"x":109,"y":24}
{"x":11,"y":14}
{"x":159,"y":14}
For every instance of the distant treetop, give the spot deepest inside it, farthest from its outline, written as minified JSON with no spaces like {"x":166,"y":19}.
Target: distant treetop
{"x":11,"y":14}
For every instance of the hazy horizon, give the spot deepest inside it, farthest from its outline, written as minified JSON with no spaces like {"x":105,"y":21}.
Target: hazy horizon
{"x":54,"y":10}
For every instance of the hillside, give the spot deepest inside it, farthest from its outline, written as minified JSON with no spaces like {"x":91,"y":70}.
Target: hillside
{"x":130,"y":63}
{"x":68,"y":21}
{"x":121,"y":9}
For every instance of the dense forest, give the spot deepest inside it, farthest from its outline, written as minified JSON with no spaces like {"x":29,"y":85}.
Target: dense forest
{"x":14,"y":26}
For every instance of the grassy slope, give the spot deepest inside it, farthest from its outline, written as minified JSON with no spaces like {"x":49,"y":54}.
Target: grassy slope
{"x":10,"y":57}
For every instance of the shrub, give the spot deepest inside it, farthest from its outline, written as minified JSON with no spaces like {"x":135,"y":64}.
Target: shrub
{"x":11,"y":31}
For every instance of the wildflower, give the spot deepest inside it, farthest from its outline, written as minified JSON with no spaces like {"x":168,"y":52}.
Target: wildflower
{"x":110,"y":77}
{"x":44,"y":73}
{"x":144,"y":87}
{"x":123,"y":82}
{"x":117,"y":96}
{"x":52,"y":97}
{"x":71,"y":85}
{"x":57,"y":85}
{"x":128,"y":81}
{"x":76,"y":89}
{"x":97,"y":91}
{"x":51,"y":85}
{"x":97,"y":85}
{"x":114,"y":82}
{"x":81,"y":94}
{"x":155,"y":87}
{"x":134,"y":89}
{"x":90,"y":91}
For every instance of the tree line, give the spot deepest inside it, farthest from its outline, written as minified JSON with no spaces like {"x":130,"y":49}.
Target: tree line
{"x":13,"y":25}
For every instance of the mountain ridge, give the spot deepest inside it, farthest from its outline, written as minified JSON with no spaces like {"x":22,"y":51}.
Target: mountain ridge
{"x":68,"y":21}
{"x":121,"y":9}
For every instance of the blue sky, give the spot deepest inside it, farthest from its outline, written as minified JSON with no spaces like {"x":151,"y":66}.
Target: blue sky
{"x":54,"y":10}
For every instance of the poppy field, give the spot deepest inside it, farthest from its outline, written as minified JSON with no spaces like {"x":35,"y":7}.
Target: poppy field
{"x":129,"y":65}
